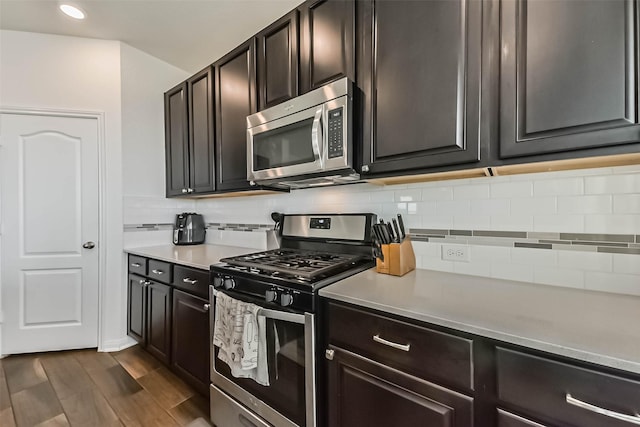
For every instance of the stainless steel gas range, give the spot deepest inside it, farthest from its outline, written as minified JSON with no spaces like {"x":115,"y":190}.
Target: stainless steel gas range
{"x":316,"y":250}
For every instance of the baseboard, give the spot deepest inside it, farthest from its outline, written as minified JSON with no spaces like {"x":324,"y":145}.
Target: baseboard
{"x":117,"y":345}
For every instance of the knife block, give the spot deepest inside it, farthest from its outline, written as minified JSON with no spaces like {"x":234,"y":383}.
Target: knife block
{"x":399,"y":258}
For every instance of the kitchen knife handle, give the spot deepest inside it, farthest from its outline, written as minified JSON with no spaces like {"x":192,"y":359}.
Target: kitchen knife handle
{"x":401,"y":225}
{"x":397,"y":231}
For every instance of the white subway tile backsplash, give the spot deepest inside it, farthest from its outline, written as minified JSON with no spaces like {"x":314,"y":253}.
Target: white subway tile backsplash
{"x":626,"y":203}
{"x":517,"y":272}
{"x":565,"y":277}
{"x":560,"y":223}
{"x":534,"y":256}
{"x":471,"y":192}
{"x":471,"y":222}
{"x":627,"y":264}
{"x":534,"y":206}
{"x":595,"y":201}
{"x":437,"y":193}
{"x":599,"y":204}
{"x":454,"y":207}
{"x":592,"y":261}
{"x":558,"y":187}
{"x":490,"y":207}
{"x":512,"y":189}
{"x":613,"y":282}
{"x":512,"y":222}
{"x":613,"y":224}
{"x":490,"y":254}
{"x":408,"y":195}
{"x":613,"y":184}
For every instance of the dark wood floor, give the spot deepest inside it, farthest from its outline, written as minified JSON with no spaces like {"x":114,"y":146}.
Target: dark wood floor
{"x":87,"y":388}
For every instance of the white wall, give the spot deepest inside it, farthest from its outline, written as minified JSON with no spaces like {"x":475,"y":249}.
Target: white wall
{"x":69,"y":73}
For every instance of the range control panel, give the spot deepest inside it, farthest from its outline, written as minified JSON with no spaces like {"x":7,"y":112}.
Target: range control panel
{"x":320,"y":223}
{"x":335,"y":143}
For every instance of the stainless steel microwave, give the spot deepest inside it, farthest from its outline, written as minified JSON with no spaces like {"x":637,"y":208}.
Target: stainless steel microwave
{"x":304,"y":142}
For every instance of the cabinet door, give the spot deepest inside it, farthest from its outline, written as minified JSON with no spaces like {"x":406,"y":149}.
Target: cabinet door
{"x":327,"y":42}
{"x":176,"y":134}
{"x":235,"y":100}
{"x":568,"y":75}
{"x":190,"y":349}
{"x":159,"y":320}
{"x":277,"y":61}
{"x":136,"y":308}
{"x":365,"y":393}
{"x":201,"y":136}
{"x":420,"y":76}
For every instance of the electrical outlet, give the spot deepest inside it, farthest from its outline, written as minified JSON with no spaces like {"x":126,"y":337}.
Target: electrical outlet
{"x":455,"y":253}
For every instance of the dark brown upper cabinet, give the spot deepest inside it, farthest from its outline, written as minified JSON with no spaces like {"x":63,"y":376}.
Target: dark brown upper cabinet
{"x":235,"y":100}
{"x":419,"y":72}
{"x":277,"y":61}
{"x":568,"y":75}
{"x":189,"y":135}
{"x":201,"y":132}
{"x":326,"y":42}
{"x":176,"y":135}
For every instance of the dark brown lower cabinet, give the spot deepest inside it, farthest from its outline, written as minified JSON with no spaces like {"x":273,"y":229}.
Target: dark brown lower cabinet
{"x":136,"y":320}
{"x":159,"y":320}
{"x":507,"y":419}
{"x":363,"y":392}
{"x":190,"y":350}
{"x":149,"y":315}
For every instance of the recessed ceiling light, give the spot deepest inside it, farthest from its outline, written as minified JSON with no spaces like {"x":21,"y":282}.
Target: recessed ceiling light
{"x":72,"y":11}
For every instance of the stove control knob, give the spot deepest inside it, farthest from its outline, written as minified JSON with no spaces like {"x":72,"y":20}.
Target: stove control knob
{"x":271,"y":295}
{"x":217,"y":282}
{"x":286,"y":299}
{"x":229,"y":283}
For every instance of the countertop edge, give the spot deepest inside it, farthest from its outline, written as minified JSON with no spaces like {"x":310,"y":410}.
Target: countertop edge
{"x":556,"y":349}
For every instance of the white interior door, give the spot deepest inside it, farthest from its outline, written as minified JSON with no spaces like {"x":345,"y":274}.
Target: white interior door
{"x":48,"y":211}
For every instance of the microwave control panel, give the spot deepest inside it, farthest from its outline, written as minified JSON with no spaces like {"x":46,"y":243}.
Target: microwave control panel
{"x":335,"y":143}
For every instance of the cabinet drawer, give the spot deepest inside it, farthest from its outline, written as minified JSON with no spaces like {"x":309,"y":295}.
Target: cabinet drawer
{"x":507,"y":419}
{"x":138,"y":265}
{"x":548,"y":388}
{"x":191,"y":280}
{"x":160,"y":271}
{"x":423,"y":352}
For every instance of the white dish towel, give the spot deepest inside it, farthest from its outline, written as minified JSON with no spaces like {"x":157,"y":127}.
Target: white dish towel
{"x":241,"y":336}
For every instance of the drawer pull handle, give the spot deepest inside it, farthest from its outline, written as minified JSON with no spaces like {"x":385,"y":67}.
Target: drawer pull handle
{"x":189,"y":281}
{"x":136,"y":265}
{"x":633,"y":419}
{"x":206,"y":307}
{"x":158,"y":272}
{"x":403,"y":347}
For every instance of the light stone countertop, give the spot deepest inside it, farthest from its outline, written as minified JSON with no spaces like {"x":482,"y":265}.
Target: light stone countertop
{"x":198,"y":256}
{"x":597,"y":327}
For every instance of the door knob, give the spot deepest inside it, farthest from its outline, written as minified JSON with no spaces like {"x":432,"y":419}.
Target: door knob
{"x":89,"y":245}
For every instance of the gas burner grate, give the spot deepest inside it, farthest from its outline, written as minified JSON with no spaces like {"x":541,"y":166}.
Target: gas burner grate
{"x":302,"y":264}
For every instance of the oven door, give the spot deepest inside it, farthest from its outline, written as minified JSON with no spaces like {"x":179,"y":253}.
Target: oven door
{"x":290,"y":146}
{"x":289,"y":400}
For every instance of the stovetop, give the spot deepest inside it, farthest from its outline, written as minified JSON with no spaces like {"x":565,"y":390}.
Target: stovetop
{"x":298,"y":264}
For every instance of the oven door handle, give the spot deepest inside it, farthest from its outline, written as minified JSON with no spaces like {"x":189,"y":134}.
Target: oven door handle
{"x":285,"y":316}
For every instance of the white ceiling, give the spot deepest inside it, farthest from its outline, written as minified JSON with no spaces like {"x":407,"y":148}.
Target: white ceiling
{"x":189,"y":34}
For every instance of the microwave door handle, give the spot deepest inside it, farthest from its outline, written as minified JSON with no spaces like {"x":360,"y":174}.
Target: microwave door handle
{"x":316,"y":135}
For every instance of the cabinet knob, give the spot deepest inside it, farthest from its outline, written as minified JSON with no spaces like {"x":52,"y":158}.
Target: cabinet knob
{"x":184,"y":190}
{"x":136,"y":265}
{"x":190,"y":190}
{"x":158,"y":272}
{"x":328,"y":354}
{"x":189,"y":281}
{"x":206,"y":307}
{"x":365,"y":168}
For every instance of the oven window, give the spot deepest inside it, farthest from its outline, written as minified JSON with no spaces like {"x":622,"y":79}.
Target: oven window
{"x":284,"y":146}
{"x":286,"y":361}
